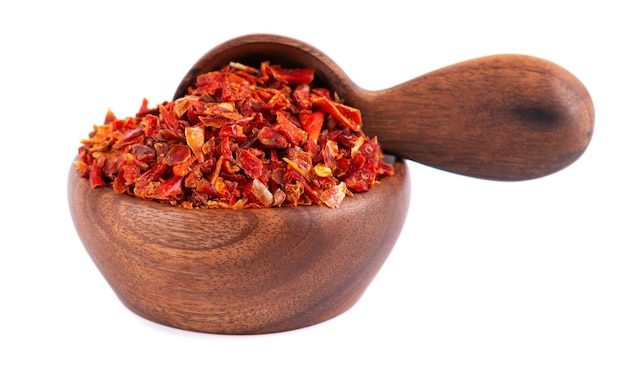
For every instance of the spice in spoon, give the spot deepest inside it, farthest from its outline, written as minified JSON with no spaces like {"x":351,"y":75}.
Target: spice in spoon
{"x":241,"y":138}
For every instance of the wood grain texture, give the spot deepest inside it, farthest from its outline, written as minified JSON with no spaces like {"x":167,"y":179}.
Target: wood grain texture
{"x":500,"y":117}
{"x":239,"y":271}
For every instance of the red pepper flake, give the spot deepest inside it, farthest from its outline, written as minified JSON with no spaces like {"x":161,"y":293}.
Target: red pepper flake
{"x":243,"y":137}
{"x":95,"y":176}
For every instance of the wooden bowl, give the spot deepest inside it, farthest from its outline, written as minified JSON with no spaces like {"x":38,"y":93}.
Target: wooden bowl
{"x":239,"y":271}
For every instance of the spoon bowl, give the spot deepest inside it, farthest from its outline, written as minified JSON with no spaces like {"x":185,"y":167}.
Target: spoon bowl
{"x":239,"y":271}
{"x":500,"y":117}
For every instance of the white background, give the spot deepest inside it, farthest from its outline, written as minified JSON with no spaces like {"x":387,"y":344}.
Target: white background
{"x":486,"y":274}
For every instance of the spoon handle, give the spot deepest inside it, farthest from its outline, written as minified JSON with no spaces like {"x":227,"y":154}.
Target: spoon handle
{"x":502,"y":117}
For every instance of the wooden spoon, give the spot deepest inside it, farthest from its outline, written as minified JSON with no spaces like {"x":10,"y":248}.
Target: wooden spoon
{"x":501,"y":117}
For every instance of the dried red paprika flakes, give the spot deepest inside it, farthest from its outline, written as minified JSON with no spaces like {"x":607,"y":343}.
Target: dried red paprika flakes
{"x":241,"y":138}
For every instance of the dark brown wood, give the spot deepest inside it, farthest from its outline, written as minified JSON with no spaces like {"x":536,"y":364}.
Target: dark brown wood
{"x":239,"y":271}
{"x":500,"y":117}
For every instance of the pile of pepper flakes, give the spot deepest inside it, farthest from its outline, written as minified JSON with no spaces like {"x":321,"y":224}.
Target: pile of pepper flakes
{"x":241,"y":138}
